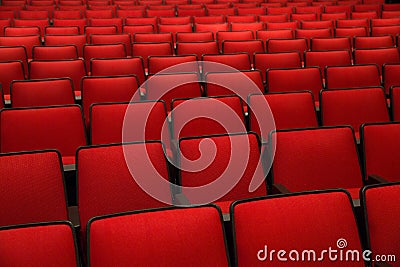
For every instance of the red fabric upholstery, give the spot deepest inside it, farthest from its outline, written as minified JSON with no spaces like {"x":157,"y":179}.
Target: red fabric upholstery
{"x":107,"y":22}
{"x":373,"y":42}
{"x":299,"y":222}
{"x":206,"y":116}
{"x":11,"y":53}
{"x":103,"y":51}
{"x":290,"y":110}
{"x":107,"y":122}
{"x":197,"y":48}
{"x":47,"y":92}
{"x":382,"y":209}
{"x":38,"y":245}
{"x":353,"y":107}
{"x":32,"y":188}
{"x":289,"y":45}
{"x":195,"y":37}
{"x":118,"y":66}
{"x":74,"y":69}
{"x":165,"y":87}
{"x":327,"y":58}
{"x":9,"y":71}
{"x":248,"y":46}
{"x":27,"y":41}
{"x":183,"y":237}
{"x":59,"y":127}
{"x":105,"y":184}
{"x":233,"y":36}
{"x":55,"y":52}
{"x":337,"y":43}
{"x":352,"y":76}
{"x":381,"y":146}
{"x":239,"y":61}
{"x":159,"y":63}
{"x":152,"y":37}
{"x":220,"y":167}
{"x":78,"y":40}
{"x":228,"y":83}
{"x":265,"y":61}
{"x":107,"y":89}
{"x":81,"y":23}
{"x":122,"y":38}
{"x":151,"y":49}
{"x":314,"y":159}
{"x":296,"y":79}
{"x":377,"y":56}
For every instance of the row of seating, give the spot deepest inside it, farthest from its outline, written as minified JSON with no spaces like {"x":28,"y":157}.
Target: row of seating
{"x":254,"y":221}
{"x":63,"y":126}
{"x":329,"y":70}
{"x":150,"y":25}
{"x":107,"y":12}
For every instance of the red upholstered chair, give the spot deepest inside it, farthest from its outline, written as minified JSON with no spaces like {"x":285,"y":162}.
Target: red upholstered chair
{"x":205,"y":223}
{"x":78,"y":40}
{"x":172,"y":85}
{"x":321,"y":158}
{"x":107,"y":120}
{"x":390,"y":76}
{"x":145,"y":37}
{"x":240,"y":83}
{"x":59,"y":52}
{"x":42,"y":92}
{"x":372,"y":42}
{"x":48,"y":243}
{"x":101,"y":89}
{"x":380,"y":214}
{"x":352,"y":76}
{"x":170,"y":64}
{"x":33,"y":188}
{"x":288,"y":45}
{"x":380,"y":145}
{"x":325,"y":44}
{"x":206,"y":116}
{"x":197,"y":48}
{"x":9,"y":71}
{"x":74,"y":69}
{"x":58,"y":127}
{"x":265,"y":61}
{"x":296,"y":79}
{"x":238,"y":61}
{"x":123,"y":38}
{"x":353,"y":107}
{"x":27,"y":41}
{"x":99,"y":182}
{"x":270,"y":218}
{"x":377,"y":56}
{"x":194,"y":37}
{"x":118,"y":66}
{"x":246,"y":151}
{"x":11,"y":53}
{"x":103,"y":51}
{"x":145,"y":50}
{"x":290,"y":110}
{"x":323,"y":59}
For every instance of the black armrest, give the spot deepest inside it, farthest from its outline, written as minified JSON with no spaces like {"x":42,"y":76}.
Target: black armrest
{"x":279,"y":189}
{"x":73,"y":216}
{"x":181,"y":200}
{"x":375,"y":179}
